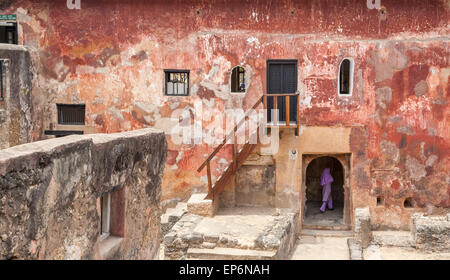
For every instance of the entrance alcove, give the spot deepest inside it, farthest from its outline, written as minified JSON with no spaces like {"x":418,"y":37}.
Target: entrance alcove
{"x":313,"y":193}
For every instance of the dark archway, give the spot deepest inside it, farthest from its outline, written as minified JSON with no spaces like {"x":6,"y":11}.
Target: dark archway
{"x":313,"y":216}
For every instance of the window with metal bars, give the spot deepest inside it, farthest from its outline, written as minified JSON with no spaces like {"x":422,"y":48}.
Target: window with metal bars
{"x":177,"y":82}
{"x":8,"y":33}
{"x":70,"y":114}
{"x":238,"y":79}
{"x":2,"y":81}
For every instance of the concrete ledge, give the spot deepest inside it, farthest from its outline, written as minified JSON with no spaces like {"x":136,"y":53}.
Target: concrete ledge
{"x":109,"y":246}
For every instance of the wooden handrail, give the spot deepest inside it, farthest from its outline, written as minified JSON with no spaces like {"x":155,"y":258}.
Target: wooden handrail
{"x":280,"y":94}
{"x":241,"y":122}
{"x":240,"y":156}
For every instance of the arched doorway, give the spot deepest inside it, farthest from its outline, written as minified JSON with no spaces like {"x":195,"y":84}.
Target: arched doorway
{"x":313,"y":193}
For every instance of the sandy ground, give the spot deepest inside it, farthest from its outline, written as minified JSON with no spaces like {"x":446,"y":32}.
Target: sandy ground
{"x":321,"y":248}
{"x":329,"y":218}
{"x":401,"y":253}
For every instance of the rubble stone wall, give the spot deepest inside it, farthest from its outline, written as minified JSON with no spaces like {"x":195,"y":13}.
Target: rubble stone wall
{"x":50,"y":195}
{"x":432,"y":232}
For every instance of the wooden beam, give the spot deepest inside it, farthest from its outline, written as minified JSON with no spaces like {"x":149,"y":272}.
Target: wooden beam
{"x":208,"y":168}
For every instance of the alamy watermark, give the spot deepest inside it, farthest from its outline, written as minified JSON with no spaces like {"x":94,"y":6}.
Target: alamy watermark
{"x":233,"y":125}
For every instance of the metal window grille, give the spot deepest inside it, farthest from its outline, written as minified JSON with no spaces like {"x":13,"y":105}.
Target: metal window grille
{"x":177,"y":82}
{"x":8,"y":33}
{"x":71,"y":114}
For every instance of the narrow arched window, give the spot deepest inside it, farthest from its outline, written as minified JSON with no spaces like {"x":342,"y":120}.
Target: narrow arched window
{"x":345,"y":79}
{"x":238,"y":79}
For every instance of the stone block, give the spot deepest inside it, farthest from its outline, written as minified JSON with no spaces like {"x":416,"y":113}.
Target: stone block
{"x":198,"y":205}
{"x":363,"y":232}
{"x":431,"y":233}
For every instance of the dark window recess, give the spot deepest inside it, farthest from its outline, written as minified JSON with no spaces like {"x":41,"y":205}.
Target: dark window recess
{"x":2,"y":84}
{"x":380,"y":201}
{"x":71,"y":114}
{"x":8,"y":33}
{"x":282,"y":78}
{"x":177,"y":82}
{"x":344,"y":77}
{"x":238,"y":79}
{"x":62,"y":133}
{"x":408,"y":203}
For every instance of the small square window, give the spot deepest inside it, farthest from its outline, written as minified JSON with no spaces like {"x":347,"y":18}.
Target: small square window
{"x":8,"y":33}
{"x":177,"y":82}
{"x":71,"y":114}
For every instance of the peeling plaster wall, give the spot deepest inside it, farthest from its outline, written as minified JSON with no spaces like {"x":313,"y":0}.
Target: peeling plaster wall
{"x":110,"y":55}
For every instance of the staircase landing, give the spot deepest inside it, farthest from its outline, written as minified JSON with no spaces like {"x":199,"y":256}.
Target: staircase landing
{"x":233,"y":233}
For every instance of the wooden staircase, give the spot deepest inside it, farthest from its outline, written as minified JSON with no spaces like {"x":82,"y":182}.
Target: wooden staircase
{"x":240,"y":156}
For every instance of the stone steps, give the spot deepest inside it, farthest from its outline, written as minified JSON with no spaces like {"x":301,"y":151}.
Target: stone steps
{"x":326,"y":233}
{"x":220,"y":253}
{"x":393,"y":238}
{"x":172,"y":216}
{"x":319,"y":227}
{"x":198,"y":205}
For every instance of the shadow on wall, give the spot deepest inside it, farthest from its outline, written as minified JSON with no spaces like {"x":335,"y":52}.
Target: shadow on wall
{"x":313,"y":174}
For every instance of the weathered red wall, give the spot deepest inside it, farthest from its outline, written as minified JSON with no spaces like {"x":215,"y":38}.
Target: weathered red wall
{"x":111,"y":55}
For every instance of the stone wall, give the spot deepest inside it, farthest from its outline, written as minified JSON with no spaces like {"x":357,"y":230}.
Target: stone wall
{"x":15,"y":108}
{"x":50,"y":196}
{"x":431,"y":232}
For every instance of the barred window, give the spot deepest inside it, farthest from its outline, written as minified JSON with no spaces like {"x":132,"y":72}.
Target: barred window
{"x":70,"y":114}
{"x":8,"y":32}
{"x":177,"y":82}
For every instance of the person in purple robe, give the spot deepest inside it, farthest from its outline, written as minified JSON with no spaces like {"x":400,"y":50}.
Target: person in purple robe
{"x":325,"y":181}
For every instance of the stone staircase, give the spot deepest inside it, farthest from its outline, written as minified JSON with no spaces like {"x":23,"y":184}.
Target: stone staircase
{"x":172,"y":216}
{"x":241,"y":233}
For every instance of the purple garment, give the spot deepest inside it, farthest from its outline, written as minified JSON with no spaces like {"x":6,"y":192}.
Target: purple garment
{"x":326,"y":177}
{"x":325,"y":180}
{"x":326,"y":197}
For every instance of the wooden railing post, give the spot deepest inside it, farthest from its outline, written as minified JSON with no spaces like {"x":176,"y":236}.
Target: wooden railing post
{"x":234,"y":151}
{"x":208,"y":170}
{"x":287,"y":110}
{"x":297,"y":129}
{"x":275,"y":107}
